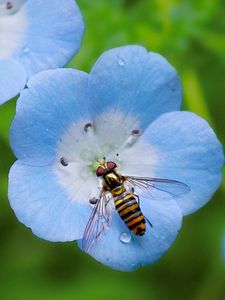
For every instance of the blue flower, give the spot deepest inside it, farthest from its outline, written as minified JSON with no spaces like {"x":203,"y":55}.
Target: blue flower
{"x":124,"y":111}
{"x":35,"y":35}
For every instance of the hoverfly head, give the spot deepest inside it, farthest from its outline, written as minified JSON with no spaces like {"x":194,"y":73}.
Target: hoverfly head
{"x":105,"y":167}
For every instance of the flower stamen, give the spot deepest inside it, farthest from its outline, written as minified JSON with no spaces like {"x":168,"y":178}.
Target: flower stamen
{"x":87,"y":126}
{"x":93,"y":200}
{"x":136,"y":132}
{"x":63,"y":161}
{"x":9,"y":5}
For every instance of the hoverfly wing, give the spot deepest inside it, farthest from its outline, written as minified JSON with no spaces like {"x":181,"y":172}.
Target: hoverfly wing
{"x":157,"y":188}
{"x":98,"y":223}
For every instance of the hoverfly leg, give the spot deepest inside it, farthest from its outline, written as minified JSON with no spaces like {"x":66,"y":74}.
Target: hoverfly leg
{"x":149,"y":222}
{"x":136,"y":196}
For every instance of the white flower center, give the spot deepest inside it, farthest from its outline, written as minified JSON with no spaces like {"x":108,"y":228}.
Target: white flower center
{"x":12,"y":26}
{"x":113,"y":137}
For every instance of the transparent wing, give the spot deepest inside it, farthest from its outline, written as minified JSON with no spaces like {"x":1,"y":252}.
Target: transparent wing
{"x":98,"y":223}
{"x":156,"y":188}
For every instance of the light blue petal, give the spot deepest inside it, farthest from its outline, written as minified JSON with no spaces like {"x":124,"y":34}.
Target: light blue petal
{"x":188,"y":151}
{"x":166,"y":218}
{"x":131,"y":80}
{"x":54,"y":33}
{"x":41,"y":204}
{"x":53,"y":101}
{"x":12,"y":79}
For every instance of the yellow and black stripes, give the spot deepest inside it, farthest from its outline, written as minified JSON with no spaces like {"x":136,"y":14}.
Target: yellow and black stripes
{"x":125,"y":202}
{"x":129,"y":210}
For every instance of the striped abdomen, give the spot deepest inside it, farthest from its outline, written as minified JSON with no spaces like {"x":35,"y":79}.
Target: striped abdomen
{"x":129,"y":210}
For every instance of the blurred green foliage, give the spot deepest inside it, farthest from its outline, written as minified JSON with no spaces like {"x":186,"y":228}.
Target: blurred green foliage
{"x":191,"y":34}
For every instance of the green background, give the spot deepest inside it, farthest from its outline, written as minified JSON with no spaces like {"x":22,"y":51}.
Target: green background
{"x":191,"y":35}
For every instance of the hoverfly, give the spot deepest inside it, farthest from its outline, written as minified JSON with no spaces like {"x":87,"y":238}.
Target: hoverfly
{"x":126,"y":202}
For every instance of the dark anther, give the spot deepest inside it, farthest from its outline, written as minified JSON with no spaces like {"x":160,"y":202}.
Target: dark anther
{"x":9,"y":5}
{"x":117,"y":154}
{"x":104,"y":158}
{"x":87,"y":126}
{"x":63,"y":162}
{"x":136,"y":132}
{"x":93,"y":200}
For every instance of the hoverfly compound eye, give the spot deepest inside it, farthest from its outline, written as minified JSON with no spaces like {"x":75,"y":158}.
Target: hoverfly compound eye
{"x":111,"y":165}
{"x":100,"y":171}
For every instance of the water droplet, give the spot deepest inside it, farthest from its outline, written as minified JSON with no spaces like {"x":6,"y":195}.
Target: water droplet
{"x":132,"y":140}
{"x":125,"y":238}
{"x":26,"y":49}
{"x":120,"y":61}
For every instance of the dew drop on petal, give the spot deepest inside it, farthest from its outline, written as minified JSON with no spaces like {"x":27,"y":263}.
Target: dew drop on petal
{"x":132,"y":140}
{"x":125,"y":237}
{"x":120,"y":62}
{"x":26,"y":49}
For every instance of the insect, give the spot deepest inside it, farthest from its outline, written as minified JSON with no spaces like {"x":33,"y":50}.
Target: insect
{"x":126,"y":201}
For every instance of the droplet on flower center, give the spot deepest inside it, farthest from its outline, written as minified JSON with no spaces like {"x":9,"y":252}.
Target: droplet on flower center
{"x":63,"y":161}
{"x":9,"y":5}
{"x":87,"y":126}
{"x":125,"y":238}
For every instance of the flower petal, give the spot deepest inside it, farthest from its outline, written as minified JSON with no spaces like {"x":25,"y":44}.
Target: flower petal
{"x":53,"y":101}
{"x":52,"y":34}
{"x":12,"y":79}
{"x":188,"y":151}
{"x":41,"y":204}
{"x":131,"y":80}
{"x":166,"y":218}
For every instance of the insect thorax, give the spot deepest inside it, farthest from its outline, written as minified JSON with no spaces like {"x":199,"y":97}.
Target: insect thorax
{"x":112,"y":180}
